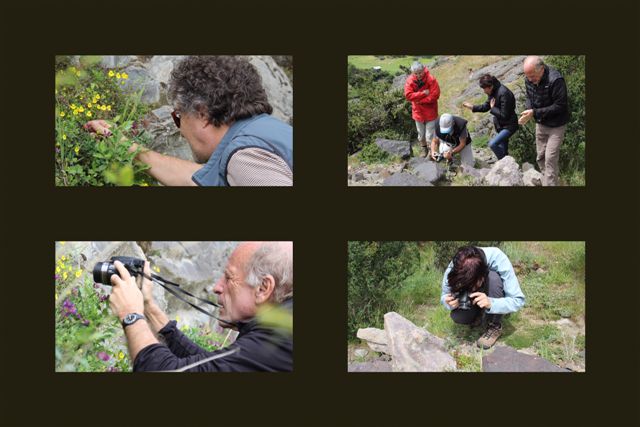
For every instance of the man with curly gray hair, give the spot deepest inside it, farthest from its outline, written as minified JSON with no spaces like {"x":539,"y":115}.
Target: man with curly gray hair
{"x":223,"y":112}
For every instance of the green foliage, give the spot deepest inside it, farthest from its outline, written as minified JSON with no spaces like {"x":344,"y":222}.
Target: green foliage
{"x":374,"y":108}
{"x":203,"y":337}
{"x":88,"y":92}
{"x":445,"y":250}
{"x":375,"y":269}
{"x":572,"y":150}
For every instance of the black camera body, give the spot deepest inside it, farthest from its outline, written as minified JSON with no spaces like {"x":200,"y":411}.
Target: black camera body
{"x":103,"y":271}
{"x":464,"y":302}
{"x":419,"y":83}
{"x":439,"y":157}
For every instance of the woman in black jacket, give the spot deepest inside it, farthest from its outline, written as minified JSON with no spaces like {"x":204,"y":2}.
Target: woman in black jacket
{"x":502,"y":104}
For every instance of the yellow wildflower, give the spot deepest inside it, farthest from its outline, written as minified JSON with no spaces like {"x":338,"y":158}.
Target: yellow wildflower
{"x":118,"y":75}
{"x":58,"y":270}
{"x":62,"y":243}
{"x":78,"y":73}
{"x":121,"y":82}
{"x":77,"y":149}
{"x":89,"y":105}
{"x":80,"y":110}
{"x":124,"y":75}
{"x":156,"y":268}
{"x":63,"y":258}
{"x":78,"y":273}
{"x":111,"y":73}
{"x":89,"y":114}
{"x":75,"y":112}
{"x":65,"y":275}
{"x":97,"y":96}
{"x":121,"y":355}
{"x":144,"y":184}
{"x":103,"y":107}
{"x":62,"y":266}
{"x":73,"y":106}
{"x":64,"y":137}
{"x":62,"y":114}
{"x":108,"y":107}
{"x":56,"y":296}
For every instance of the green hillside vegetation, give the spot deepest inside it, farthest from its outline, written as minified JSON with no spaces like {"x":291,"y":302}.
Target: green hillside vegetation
{"x":390,"y":64}
{"x":551,"y":275}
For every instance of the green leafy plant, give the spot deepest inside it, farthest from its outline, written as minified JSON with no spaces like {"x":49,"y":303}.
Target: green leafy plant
{"x":87,"y":91}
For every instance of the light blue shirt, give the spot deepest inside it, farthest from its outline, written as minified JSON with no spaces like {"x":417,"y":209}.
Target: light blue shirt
{"x":513,"y":297}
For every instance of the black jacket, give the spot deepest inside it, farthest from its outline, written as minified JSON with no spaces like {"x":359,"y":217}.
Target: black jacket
{"x":260,"y":349}
{"x":459,"y":130}
{"x":548,"y":99}
{"x":504,"y":109}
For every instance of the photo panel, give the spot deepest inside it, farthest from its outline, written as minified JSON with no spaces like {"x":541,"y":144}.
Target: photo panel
{"x":466,"y":120}
{"x":466,"y":306}
{"x":148,"y":120}
{"x":181,"y":306}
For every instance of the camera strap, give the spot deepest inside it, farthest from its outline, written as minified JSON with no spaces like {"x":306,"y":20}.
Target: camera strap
{"x":176,"y":290}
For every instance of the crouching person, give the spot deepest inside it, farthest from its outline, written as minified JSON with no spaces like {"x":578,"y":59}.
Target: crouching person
{"x":480,"y":284}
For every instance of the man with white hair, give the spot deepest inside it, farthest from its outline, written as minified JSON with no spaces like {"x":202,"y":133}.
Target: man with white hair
{"x":258,"y":275}
{"x":452,"y":137}
{"x":547,"y":104}
{"x":423,"y":91}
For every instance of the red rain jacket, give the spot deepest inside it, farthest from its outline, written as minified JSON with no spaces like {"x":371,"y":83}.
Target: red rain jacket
{"x":424,"y":108}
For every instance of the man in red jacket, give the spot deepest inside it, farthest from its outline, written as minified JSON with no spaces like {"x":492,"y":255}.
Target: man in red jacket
{"x":422,"y":90}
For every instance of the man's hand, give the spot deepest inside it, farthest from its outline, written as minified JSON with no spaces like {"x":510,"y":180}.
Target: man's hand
{"x":451,"y":301}
{"x":467,"y":105}
{"x":481,"y":300}
{"x":125,"y":297}
{"x":426,"y":91}
{"x":492,"y":103}
{"x":147,"y":285}
{"x":525,"y":117}
{"x":448,"y":154}
{"x":98,"y":127}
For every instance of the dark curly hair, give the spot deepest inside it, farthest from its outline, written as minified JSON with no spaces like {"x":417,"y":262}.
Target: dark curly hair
{"x":224,"y":88}
{"x":487,"y":80}
{"x":469,"y":269}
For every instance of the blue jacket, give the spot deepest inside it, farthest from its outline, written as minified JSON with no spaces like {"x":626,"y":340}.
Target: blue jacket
{"x":261,"y":131}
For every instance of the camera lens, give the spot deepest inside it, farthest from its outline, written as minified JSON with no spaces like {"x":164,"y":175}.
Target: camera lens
{"x":103,"y":271}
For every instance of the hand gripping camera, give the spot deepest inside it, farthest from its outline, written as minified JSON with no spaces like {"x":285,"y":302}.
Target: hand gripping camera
{"x":464,"y":302}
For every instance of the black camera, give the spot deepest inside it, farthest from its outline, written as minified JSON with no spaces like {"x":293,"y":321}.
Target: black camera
{"x":419,"y":83}
{"x":103,"y":271}
{"x":464,"y":302}
{"x":439,"y":157}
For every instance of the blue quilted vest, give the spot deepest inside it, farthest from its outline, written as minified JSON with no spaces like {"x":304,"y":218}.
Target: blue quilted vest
{"x":261,"y":131}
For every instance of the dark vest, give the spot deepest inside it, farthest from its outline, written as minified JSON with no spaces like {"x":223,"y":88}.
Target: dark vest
{"x":540,"y":95}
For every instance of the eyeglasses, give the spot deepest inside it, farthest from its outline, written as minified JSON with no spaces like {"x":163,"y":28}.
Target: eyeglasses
{"x":176,"y":118}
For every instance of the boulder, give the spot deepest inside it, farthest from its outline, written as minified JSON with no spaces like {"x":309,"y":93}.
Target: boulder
{"x":140,"y":80}
{"x":414,"y":349}
{"x":532,"y":178}
{"x":376,"y":339}
{"x":401,"y":149}
{"x":375,"y":366}
{"x":277,"y":86}
{"x":507,"y":359}
{"x":505,"y":173}
{"x":404,"y":179}
{"x":165,"y":136}
{"x":477,"y":174}
{"x":426,"y":169}
{"x":526,"y":166}
{"x":361,"y":352}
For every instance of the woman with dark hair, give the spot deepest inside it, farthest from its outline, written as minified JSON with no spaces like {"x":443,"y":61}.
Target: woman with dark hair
{"x":502,"y":105}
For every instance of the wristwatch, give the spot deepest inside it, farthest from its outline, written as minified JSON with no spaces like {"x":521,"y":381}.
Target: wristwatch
{"x":131,"y":318}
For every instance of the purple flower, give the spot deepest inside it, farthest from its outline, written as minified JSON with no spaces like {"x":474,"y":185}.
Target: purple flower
{"x":103,"y":356}
{"x":86,"y":322}
{"x":57,"y":277}
{"x":69,"y":308}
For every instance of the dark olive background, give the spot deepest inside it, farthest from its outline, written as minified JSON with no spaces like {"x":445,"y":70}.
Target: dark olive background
{"x":320,"y":213}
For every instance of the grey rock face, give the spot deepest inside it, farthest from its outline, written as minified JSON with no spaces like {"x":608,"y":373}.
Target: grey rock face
{"x":141,"y":80}
{"x":375,"y":366}
{"x":401,"y":149}
{"x":414,"y":349}
{"x":505,"y":173}
{"x":404,"y":179}
{"x":507,"y":359}
{"x":277,"y":85}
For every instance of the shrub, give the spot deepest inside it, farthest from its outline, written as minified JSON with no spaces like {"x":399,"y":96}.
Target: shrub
{"x":373,"y":107}
{"x":86,"y":92}
{"x":375,"y":269}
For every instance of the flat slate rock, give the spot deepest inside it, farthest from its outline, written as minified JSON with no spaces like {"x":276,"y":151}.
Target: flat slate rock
{"x":427,"y":169}
{"x":375,"y":366}
{"x":507,"y":359}
{"x":401,"y":149}
{"x":404,"y":179}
